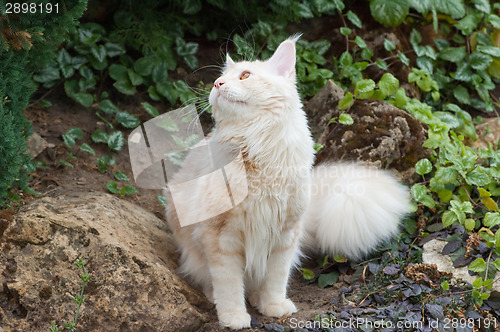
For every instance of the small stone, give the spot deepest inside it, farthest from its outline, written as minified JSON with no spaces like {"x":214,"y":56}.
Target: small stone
{"x":35,"y":145}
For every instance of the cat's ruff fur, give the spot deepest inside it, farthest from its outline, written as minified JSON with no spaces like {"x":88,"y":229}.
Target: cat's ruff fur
{"x":249,"y":250}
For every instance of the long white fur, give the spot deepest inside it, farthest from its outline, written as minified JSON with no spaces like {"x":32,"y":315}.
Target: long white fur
{"x":263,"y":116}
{"x":353,"y":209}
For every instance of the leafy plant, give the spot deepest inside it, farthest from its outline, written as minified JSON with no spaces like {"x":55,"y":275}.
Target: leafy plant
{"x":27,"y":43}
{"x":85,"y":278}
{"x":126,"y":190}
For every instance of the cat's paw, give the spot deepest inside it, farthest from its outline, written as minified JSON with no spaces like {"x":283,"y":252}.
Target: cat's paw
{"x":278,"y":309}
{"x":235,"y":319}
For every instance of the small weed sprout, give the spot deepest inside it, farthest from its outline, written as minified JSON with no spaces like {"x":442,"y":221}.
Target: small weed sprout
{"x":85,"y":277}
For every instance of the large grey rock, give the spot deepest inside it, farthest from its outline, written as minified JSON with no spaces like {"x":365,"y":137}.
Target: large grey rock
{"x":381,"y":133}
{"x":432,"y":255}
{"x":128,"y":251}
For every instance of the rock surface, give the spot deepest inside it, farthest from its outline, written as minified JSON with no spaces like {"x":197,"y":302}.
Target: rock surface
{"x":432,"y":255}
{"x":128,"y":251}
{"x":488,"y":133}
{"x":381,"y":133}
{"x":35,"y":145}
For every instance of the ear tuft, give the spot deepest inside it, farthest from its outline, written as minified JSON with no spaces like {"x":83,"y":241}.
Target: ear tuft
{"x":283,"y":59}
{"x":229,"y":61}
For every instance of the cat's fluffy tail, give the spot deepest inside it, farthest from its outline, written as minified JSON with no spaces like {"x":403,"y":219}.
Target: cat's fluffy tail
{"x":353,"y":209}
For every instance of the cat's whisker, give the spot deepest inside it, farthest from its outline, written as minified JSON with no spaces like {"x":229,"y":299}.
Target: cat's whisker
{"x":207,"y":67}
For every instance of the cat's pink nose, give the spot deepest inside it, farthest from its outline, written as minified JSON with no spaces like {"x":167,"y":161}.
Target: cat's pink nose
{"x":218,"y":84}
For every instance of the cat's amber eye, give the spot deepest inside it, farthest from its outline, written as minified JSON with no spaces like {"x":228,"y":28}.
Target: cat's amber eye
{"x":245,"y":75}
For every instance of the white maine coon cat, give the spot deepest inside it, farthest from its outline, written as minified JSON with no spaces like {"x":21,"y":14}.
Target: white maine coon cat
{"x":248,"y":252}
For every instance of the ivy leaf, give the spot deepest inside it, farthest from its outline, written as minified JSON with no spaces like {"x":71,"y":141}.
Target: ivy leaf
{"x":468,"y":24}
{"x":301,"y":10}
{"x":445,"y":175}
{"x":113,"y":49}
{"x":346,"y":102}
{"x":345,"y":31}
{"x":116,"y":141}
{"x":404,"y":59}
{"x":144,"y":66}
{"x":85,"y":147}
{"x":389,"y":45}
{"x":478,"y":265}
{"x":354,"y":19}
{"x":494,"y":21}
{"x":449,"y":217}
{"x":47,"y":75}
{"x":360,"y":42}
{"x":125,"y":87}
{"x":65,"y":63}
{"x":317,"y":147}
{"x":346,"y":119}
{"x":400,"y":98}
{"x":491,"y":50}
{"x":389,"y":13}
{"x":135,"y":78}
{"x":128,"y":190}
{"x":381,"y":64}
{"x":496,"y":262}
{"x":425,"y":63}
{"x":327,"y":279}
{"x":491,"y":219}
{"x":453,"y":54}
{"x":113,"y":187}
{"x":423,"y":166}
{"x":100,"y":136}
{"x":364,"y":88}
{"x":461,"y":94}
{"x":108,"y":107}
{"x":445,"y":195}
{"x":421,"y":194}
{"x":120,"y":176}
{"x":118,"y":72}
{"x":104,"y":162}
{"x":71,"y":136}
{"x":415,"y":38}
{"x":477,"y":177}
{"x":482,"y":5}
{"x":455,"y":9}
{"x":489,"y":203}
{"x":150,"y":109}
{"x":65,"y":163}
{"x":469,"y":224}
{"x":307,"y":274}
{"x":99,"y":52}
{"x":127,"y":120}
{"x":388,"y":84}
{"x":480,"y":61}
{"x":345,"y":59}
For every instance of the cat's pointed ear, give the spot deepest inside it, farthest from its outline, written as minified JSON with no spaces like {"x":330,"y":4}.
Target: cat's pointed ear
{"x":229,"y":61}
{"x":283,"y":59}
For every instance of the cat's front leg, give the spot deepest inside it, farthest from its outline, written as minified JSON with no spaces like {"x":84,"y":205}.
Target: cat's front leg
{"x":227,"y":273}
{"x":270,"y":297}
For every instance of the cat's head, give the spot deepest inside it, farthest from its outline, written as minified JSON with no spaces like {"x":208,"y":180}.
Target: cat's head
{"x":258,"y":88}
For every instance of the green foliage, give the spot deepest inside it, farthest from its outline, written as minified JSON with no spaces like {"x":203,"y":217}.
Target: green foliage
{"x":32,"y":43}
{"x":126,"y":190}
{"x":85,"y":278}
